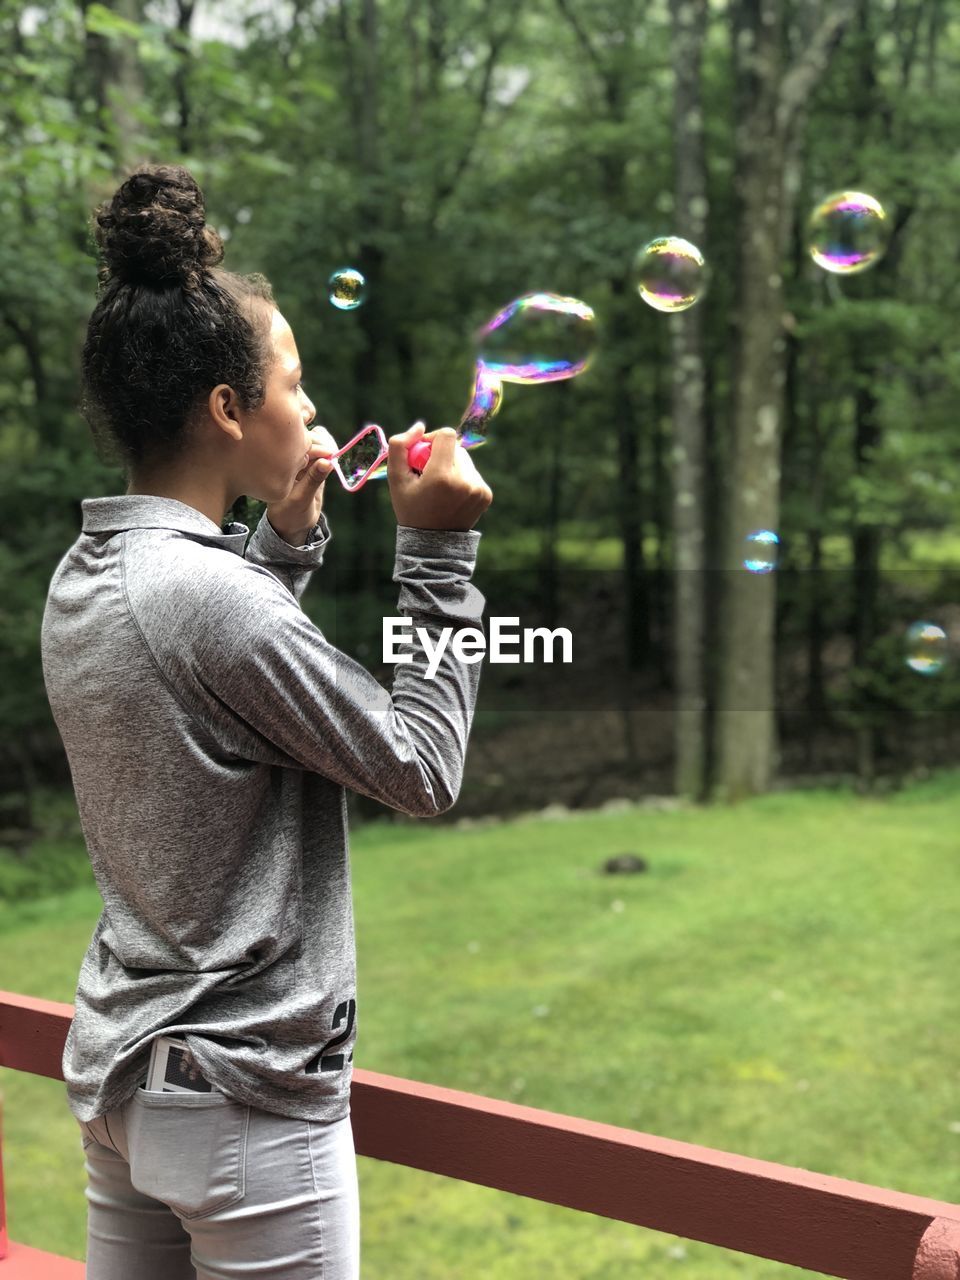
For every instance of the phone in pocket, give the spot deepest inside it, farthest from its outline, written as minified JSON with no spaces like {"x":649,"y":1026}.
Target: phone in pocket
{"x":173,"y":1068}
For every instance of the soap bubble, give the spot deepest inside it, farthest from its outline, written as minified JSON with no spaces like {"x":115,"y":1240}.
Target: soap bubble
{"x":847,"y":232}
{"x":484,"y":404}
{"x":762,"y":549}
{"x":347,"y":288}
{"x":670,"y":274}
{"x":539,"y":337}
{"x":926,"y":648}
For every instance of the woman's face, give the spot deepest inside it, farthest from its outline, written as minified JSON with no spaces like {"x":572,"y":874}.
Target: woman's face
{"x":275,"y":435}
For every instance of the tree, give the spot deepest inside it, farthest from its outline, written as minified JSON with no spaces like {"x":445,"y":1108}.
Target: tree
{"x":768,"y":102}
{"x":689,"y":513}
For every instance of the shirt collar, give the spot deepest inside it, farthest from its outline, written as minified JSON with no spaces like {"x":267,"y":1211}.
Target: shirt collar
{"x":147,"y":511}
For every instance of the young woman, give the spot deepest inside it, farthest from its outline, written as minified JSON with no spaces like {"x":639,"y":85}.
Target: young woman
{"x":211,"y":731}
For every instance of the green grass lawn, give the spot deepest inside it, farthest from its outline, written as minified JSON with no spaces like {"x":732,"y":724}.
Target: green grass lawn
{"x":781,"y":983}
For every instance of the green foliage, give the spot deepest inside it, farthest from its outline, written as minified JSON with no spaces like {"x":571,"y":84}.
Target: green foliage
{"x":468,"y":153}
{"x":40,"y":496}
{"x":53,"y":867}
{"x":57,"y":859}
{"x":886,"y":692}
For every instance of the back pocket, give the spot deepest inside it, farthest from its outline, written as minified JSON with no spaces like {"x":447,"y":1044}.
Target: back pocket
{"x":188,"y":1150}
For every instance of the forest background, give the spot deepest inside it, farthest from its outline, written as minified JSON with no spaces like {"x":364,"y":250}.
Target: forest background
{"x":461,"y":154}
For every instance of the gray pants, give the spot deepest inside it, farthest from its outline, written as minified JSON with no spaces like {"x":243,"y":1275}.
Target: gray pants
{"x":197,"y":1186}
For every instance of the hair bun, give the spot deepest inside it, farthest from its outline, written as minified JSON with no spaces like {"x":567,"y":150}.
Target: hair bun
{"x":153,"y":231}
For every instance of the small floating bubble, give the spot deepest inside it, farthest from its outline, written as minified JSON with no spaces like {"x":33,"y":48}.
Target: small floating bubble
{"x":762,"y":549}
{"x":847,"y":232}
{"x":670,"y":273}
{"x":926,"y":648}
{"x":347,"y":288}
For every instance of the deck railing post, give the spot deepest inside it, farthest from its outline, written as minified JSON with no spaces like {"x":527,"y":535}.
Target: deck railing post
{"x":938,"y":1254}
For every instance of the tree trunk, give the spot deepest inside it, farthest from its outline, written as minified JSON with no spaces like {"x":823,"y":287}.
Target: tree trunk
{"x":366,"y":555}
{"x":636,"y":621}
{"x":622,"y":332}
{"x":622,"y":344}
{"x":816,"y":693}
{"x":866,"y":538}
{"x":661,"y":512}
{"x":612,"y":67}
{"x":745,"y":714}
{"x":181,"y":42}
{"x":125,"y":89}
{"x":689,"y":512}
{"x":769,"y":103}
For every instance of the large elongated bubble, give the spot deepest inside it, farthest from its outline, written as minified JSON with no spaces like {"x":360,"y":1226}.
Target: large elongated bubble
{"x":539,"y":337}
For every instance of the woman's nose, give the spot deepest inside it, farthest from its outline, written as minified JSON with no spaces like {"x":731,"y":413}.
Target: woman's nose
{"x":310,"y":405}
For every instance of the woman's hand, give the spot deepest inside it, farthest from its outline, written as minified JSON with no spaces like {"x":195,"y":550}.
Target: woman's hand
{"x":449,"y":494}
{"x":296,"y":515}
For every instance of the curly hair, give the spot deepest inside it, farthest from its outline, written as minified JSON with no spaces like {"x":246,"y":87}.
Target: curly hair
{"x":169,"y":325}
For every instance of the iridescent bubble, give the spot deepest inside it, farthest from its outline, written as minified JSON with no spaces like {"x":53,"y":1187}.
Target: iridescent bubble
{"x":762,"y":549}
{"x":484,"y":404}
{"x":670,"y":273}
{"x":348,"y":288}
{"x":539,"y":337}
{"x":847,"y":232}
{"x":926,"y":647}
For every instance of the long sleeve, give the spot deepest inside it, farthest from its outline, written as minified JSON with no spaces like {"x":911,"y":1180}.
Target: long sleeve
{"x":290,"y":565}
{"x":269,"y":686}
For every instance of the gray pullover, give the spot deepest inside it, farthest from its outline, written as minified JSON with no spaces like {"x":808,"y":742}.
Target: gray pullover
{"x":210,"y":730}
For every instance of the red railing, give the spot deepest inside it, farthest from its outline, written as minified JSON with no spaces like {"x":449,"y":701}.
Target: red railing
{"x":808,"y":1220}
